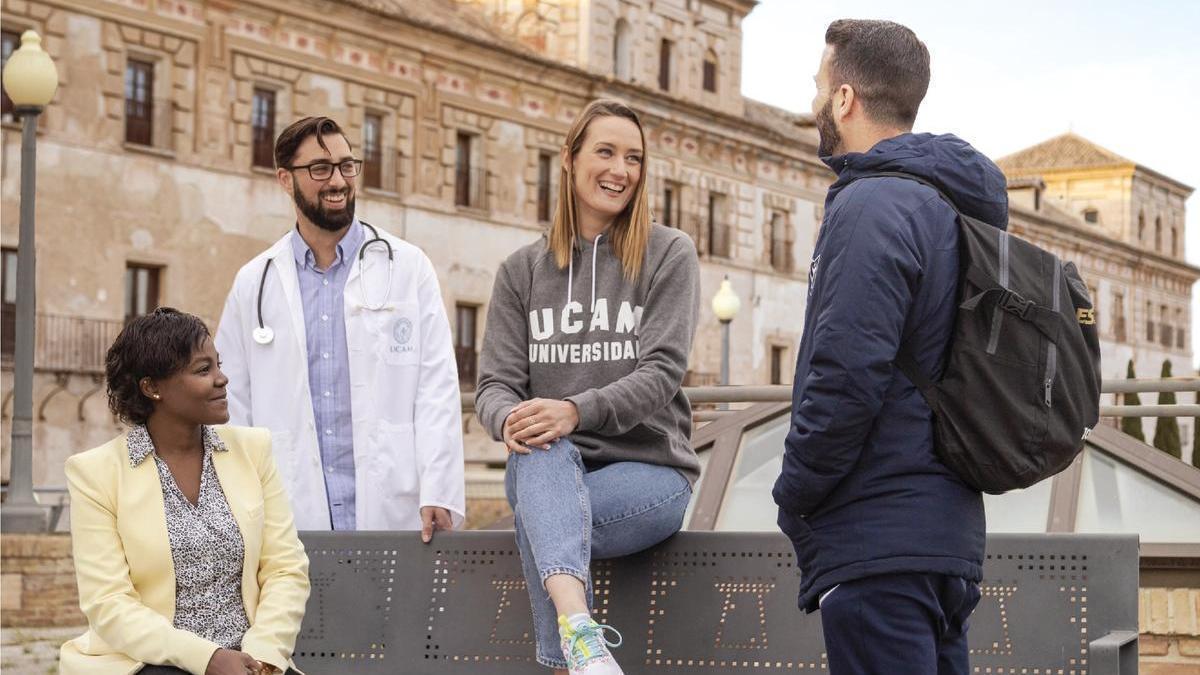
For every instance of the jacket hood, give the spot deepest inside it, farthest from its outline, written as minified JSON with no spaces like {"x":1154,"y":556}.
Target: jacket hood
{"x":965,"y":175}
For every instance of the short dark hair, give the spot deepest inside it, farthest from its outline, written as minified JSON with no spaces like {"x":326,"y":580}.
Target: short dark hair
{"x":885,"y":63}
{"x":291,"y":137}
{"x":154,"y":345}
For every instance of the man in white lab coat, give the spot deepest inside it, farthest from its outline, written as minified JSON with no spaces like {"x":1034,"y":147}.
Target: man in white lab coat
{"x":336,"y":339}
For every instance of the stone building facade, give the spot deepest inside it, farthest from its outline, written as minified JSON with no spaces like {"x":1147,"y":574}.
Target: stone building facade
{"x":155,"y":183}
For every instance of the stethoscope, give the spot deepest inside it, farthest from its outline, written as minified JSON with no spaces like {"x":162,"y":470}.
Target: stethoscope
{"x":264,"y":335}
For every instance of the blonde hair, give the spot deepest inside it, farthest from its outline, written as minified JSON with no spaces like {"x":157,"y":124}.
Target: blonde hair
{"x":630,"y":232}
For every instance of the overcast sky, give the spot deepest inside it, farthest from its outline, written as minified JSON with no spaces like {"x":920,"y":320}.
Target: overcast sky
{"x":1008,"y":75}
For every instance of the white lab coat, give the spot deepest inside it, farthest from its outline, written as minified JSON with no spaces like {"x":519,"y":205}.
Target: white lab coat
{"x":404,"y":397}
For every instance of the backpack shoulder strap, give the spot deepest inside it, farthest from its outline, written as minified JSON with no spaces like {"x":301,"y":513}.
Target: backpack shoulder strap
{"x":907,"y":364}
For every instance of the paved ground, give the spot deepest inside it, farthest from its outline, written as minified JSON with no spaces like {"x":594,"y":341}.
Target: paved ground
{"x":32,"y":651}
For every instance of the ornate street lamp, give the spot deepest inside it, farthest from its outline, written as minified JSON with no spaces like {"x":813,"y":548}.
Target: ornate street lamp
{"x":725,"y":304}
{"x":30,"y":80}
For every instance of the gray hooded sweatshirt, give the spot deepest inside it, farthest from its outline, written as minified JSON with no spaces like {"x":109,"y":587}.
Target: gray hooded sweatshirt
{"x":617,"y":350}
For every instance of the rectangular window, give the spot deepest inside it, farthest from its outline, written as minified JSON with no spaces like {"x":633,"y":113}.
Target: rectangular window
{"x":8,"y":309}
{"x":139,"y":102}
{"x":1118,"y":312}
{"x":718,"y":232}
{"x":710,"y":76}
{"x":545,"y":162}
{"x":262,"y":121}
{"x":781,"y":246}
{"x":464,"y":344}
{"x":1150,"y":322}
{"x":462,"y":170}
{"x":1165,"y":338}
{"x":1179,"y":330}
{"x":141,"y":289}
{"x":8,"y":44}
{"x":372,"y":151}
{"x":664,"y":65}
{"x":778,"y":363}
{"x":670,"y":205}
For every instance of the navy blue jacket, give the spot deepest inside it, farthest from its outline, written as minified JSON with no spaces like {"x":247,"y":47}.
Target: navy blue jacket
{"x":862,"y":492}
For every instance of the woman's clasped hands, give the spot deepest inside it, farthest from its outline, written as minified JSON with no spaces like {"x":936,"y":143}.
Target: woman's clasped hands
{"x":537,"y":423}
{"x":233,"y":662}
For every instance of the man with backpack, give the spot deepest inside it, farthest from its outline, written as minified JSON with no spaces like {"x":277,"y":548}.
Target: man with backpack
{"x":889,"y":540}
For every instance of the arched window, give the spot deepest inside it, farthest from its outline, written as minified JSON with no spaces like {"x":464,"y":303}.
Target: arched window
{"x":622,"y":50}
{"x":710,"y":71}
{"x":1158,"y":233}
{"x":1141,"y":227}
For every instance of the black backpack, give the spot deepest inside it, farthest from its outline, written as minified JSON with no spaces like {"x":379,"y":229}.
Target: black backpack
{"x":1021,"y":386}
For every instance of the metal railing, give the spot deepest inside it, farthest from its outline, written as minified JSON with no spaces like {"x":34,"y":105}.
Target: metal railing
{"x":779,"y":393}
{"x":71,"y":344}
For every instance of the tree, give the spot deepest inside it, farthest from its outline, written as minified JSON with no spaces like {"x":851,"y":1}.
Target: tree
{"x":1196,"y":442}
{"x":1196,"y":437}
{"x":1166,"y":432}
{"x":1132,"y":425}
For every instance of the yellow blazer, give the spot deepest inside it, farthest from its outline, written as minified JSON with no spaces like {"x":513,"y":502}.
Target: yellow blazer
{"x":127,"y":578}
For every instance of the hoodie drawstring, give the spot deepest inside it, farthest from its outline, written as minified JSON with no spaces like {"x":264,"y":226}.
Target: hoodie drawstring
{"x":595,"y":248}
{"x":570,"y":276}
{"x":571,"y":273}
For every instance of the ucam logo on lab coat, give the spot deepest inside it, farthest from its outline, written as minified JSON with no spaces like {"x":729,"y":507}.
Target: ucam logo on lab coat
{"x":402,"y":336}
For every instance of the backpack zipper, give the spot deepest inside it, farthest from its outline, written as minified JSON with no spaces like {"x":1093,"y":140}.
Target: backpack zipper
{"x":1052,"y":349}
{"x":1051,"y":365}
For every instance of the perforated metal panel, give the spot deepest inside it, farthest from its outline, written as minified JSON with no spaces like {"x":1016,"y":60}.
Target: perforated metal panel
{"x":702,"y":602}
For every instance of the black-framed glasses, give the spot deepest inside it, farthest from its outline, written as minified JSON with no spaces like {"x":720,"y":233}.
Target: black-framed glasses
{"x":324,"y":170}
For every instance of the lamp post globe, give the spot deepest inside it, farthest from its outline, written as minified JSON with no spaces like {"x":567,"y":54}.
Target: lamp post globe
{"x":30,"y":80}
{"x":725,"y":305}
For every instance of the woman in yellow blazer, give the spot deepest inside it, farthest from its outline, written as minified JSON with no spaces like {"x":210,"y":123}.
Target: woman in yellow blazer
{"x":185,"y":551}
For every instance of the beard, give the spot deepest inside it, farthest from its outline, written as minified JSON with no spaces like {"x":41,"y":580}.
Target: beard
{"x":318,"y":215}
{"x":830,"y":139}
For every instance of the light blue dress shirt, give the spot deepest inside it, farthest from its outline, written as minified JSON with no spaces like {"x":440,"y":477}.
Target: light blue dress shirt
{"x":329,"y":367}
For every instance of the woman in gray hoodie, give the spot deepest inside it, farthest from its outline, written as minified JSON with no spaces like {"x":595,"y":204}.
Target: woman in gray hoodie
{"x":586,"y":346}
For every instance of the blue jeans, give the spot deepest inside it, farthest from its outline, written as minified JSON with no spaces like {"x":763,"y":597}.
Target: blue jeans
{"x":566,"y":514}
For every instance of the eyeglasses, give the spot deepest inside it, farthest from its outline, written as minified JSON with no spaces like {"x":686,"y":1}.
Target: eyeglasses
{"x":324,"y":170}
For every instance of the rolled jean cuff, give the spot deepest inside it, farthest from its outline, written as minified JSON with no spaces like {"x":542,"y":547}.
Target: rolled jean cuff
{"x":552,"y":663}
{"x":569,"y":571}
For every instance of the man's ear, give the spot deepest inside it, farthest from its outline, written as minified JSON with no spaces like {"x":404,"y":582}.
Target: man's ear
{"x":843,"y":101}
{"x":285,"y":180}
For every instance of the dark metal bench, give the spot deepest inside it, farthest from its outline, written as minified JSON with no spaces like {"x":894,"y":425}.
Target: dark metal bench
{"x":702,"y":602}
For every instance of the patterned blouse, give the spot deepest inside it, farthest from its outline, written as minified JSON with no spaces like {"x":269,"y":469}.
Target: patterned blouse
{"x":206,"y":547}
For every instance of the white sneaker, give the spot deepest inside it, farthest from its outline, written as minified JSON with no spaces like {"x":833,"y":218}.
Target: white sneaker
{"x":585,"y":647}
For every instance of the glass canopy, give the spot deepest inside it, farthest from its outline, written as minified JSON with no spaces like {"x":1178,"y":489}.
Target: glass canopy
{"x":1117,"y":485}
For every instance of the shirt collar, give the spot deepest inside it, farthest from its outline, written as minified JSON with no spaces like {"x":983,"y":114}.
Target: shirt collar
{"x":141,"y":447}
{"x":347,"y":246}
